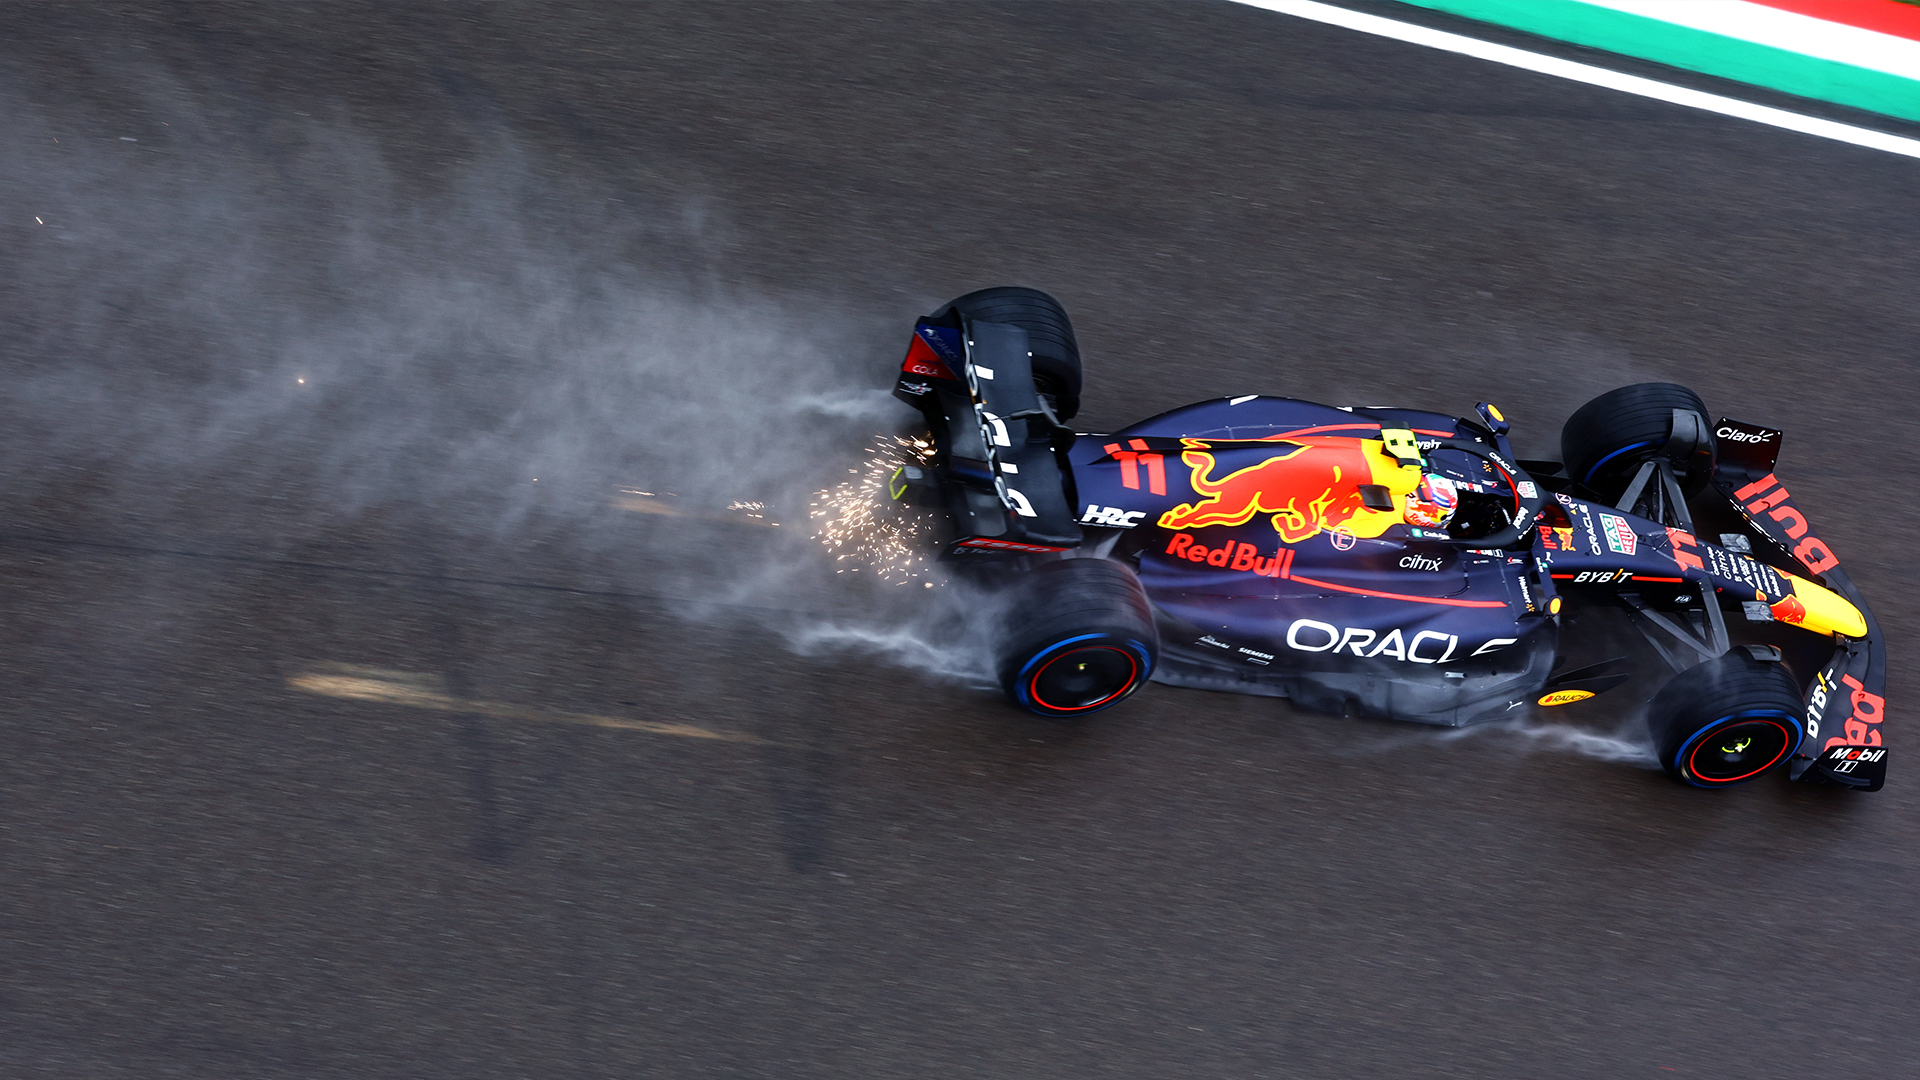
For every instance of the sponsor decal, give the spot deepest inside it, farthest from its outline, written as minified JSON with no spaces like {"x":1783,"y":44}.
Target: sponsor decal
{"x":1526,"y":489}
{"x":1579,"y":510}
{"x":1589,"y":535}
{"x":1209,"y":639}
{"x":1757,"y":576}
{"x":1111,"y":517}
{"x":993,"y":430}
{"x":1602,"y":577}
{"x":922,"y":360}
{"x":945,"y":341}
{"x":980,"y":543}
{"x":915,"y":388}
{"x":1231,"y":555}
{"x":1425,"y":647}
{"x":1014,"y":500}
{"x":1742,"y":435}
{"x":1843,"y":759}
{"x":1817,"y":704}
{"x":1768,"y":494}
{"x":1565,"y":697}
{"x":1620,"y":535}
{"x":1863,"y":726}
{"x":1420,"y":562}
{"x":1255,"y":656}
{"x":1131,"y":458}
{"x":1310,"y":485}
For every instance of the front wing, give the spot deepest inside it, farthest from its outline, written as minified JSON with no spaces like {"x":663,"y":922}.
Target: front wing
{"x":1846,"y":701}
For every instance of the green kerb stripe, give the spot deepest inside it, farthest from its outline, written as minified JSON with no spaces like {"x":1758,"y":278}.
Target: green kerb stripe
{"x":1696,"y":50}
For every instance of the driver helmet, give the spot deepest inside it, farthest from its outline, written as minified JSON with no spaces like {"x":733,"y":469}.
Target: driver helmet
{"x":1431,"y":505}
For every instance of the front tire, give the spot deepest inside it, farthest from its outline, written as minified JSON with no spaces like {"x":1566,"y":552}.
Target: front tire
{"x":1606,"y":439}
{"x":1726,"y":721}
{"x":1081,"y":638}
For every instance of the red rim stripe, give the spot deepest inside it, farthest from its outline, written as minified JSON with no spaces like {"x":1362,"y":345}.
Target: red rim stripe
{"x":1133,"y":673}
{"x":1786,"y":745}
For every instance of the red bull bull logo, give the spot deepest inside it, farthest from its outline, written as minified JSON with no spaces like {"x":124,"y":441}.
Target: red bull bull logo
{"x":1311,"y":485}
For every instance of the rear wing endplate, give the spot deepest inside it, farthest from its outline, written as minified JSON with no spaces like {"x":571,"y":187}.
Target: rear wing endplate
{"x":996,"y":439}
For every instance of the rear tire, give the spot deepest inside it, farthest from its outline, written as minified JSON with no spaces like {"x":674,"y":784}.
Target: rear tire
{"x":1607,"y":438}
{"x":1081,"y":638}
{"x":1726,"y":721}
{"x":1056,"y":356}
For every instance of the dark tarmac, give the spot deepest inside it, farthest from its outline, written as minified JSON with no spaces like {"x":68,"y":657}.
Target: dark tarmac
{"x":360,"y":724}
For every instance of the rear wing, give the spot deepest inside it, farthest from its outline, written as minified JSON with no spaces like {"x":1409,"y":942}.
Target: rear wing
{"x":1846,"y":701}
{"x":997,"y":466}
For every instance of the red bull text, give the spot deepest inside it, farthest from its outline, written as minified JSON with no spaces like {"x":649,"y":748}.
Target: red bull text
{"x":1232,"y":555}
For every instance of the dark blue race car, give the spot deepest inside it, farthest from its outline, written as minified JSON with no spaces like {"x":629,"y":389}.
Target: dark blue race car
{"x":1390,"y":562}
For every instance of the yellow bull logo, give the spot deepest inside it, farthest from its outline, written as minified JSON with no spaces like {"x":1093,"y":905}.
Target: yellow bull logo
{"x":1311,"y":485}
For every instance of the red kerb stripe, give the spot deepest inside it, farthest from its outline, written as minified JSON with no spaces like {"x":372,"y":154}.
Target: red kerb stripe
{"x":1882,"y":16}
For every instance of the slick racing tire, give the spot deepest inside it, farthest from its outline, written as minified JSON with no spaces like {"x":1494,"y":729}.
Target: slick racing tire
{"x":1080,"y":638}
{"x":1605,"y":441}
{"x":1056,"y":356}
{"x":1726,"y":721}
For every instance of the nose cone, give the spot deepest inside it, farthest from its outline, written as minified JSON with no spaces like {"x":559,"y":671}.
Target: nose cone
{"x":1820,"y":610}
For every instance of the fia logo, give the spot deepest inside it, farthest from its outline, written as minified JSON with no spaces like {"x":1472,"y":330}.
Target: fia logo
{"x":1111,"y":517}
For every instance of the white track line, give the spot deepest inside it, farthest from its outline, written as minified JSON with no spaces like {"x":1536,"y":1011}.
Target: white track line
{"x":1593,"y":76}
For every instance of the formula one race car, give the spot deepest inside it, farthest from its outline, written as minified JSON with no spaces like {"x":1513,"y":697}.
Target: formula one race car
{"x":1386,"y":561}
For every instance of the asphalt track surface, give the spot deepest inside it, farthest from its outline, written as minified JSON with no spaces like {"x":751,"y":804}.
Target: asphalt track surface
{"x":333,"y":743}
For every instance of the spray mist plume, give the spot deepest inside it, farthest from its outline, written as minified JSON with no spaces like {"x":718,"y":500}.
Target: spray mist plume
{"x":492,"y":367}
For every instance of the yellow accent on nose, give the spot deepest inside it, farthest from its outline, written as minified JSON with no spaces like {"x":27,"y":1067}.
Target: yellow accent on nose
{"x":1827,"y":612}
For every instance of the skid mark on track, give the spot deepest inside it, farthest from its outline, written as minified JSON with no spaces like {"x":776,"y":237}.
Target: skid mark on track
{"x":646,"y":502}
{"x":354,"y":682}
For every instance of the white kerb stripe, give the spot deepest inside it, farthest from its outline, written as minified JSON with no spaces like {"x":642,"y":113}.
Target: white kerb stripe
{"x":1789,"y":30}
{"x":1593,"y":76}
